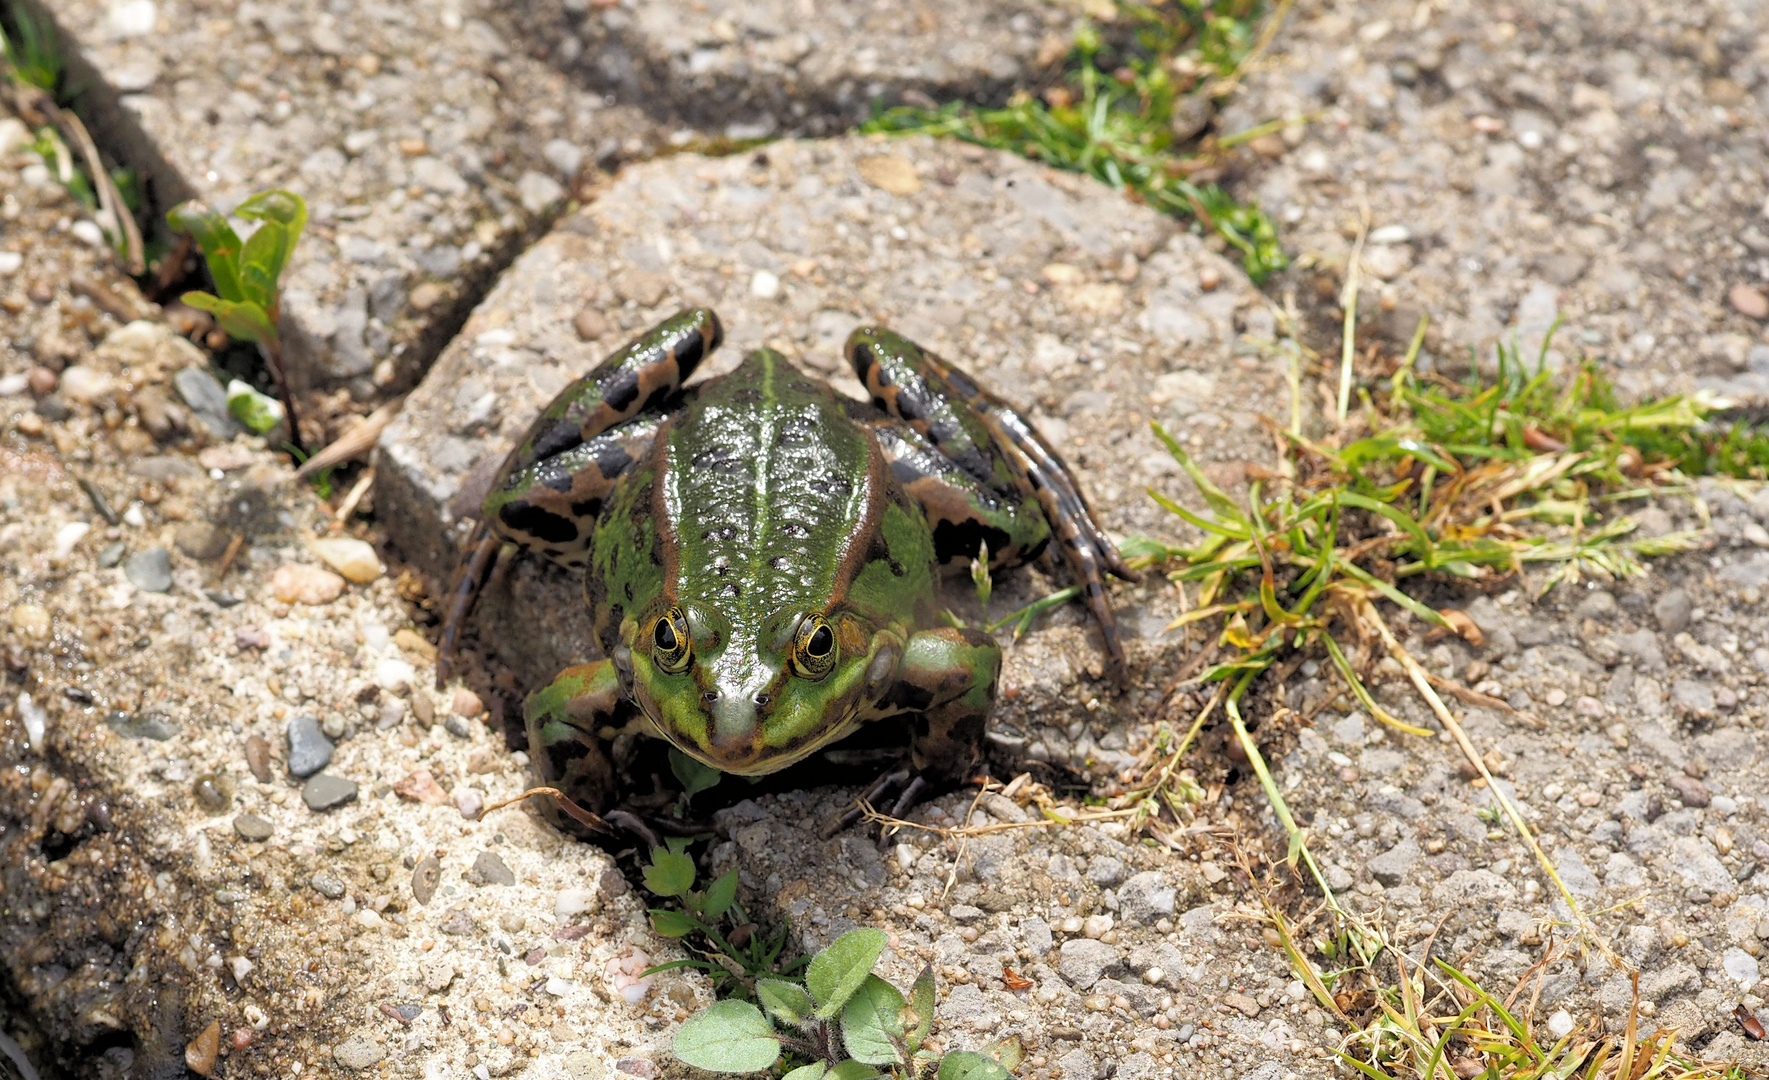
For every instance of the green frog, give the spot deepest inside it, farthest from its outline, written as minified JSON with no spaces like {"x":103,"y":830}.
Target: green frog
{"x":760,"y":555}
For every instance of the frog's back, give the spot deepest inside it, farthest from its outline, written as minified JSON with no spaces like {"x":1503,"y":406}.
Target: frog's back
{"x":779,"y":502}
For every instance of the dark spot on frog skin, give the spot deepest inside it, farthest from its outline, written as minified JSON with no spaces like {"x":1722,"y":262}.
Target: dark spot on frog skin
{"x":553,"y":476}
{"x":620,"y":390}
{"x":722,"y":532}
{"x":612,"y":459}
{"x":692,"y":347}
{"x":832,"y":485}
{"x":731,"y":591}
{"x":529,"y":520}
{"x":560,"y":436}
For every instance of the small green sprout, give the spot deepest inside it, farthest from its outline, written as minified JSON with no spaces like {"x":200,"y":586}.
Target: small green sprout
{"x":247,"y":298}
{"x":258,"y":412}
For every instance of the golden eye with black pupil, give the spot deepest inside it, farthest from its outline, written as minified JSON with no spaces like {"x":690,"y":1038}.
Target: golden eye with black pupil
{"x":669,"y":641}
{"x":813,"y":651}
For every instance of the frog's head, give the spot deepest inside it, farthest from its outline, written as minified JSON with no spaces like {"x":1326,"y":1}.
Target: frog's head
{"x":757,"y":701}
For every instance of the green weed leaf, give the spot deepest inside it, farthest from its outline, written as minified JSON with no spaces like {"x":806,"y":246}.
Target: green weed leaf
{"x":241,"y":319}
{"x":219,"y":243}
{"x":813,"y":1071}
{"x":918,"y":1015}
{"x":785,"y":1001}
{"x":968,"y":1065}
{"x":671,"y":923}
{"x":719,"y":896}
{"x":249,"y":407}
{"x":694,"y":776}
{"x":870,"y":1020}
{"x":853,"y":1070}
{"x":837,"y":971}
{"x":731,"y":1036}
{"x":671,"y":873}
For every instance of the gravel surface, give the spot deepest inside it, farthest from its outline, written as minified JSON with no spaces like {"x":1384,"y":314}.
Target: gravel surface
{"x":173,"y":861}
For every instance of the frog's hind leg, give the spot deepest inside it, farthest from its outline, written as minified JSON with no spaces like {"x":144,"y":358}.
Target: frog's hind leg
{"x":552,"y":485}
{"x":566,"y":750}
{"x":992,"y":442}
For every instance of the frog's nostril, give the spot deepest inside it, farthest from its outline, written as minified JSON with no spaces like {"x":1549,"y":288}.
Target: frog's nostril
{"x":763,"y":699}
{"x":711,"y":695}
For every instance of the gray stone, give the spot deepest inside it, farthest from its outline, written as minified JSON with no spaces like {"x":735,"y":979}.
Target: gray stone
{"x":1672,"y":611}
{"x":1693,"y":698}
{"x":1146,"y":897}
{"x":1693,"y":859}
{"x":1035,"y":932}
{"x":358,"y":1052}
{"x":1599,"y":604}
{"x":309,"y":749}
{"x":151,"y":726}
{"x":252,"y":827}
{"x":1082,"y":961}
{"x":489,"y":869}
{"x":207,"y":400}
{"x":1472,"y":887}
{"x":781,"y":209}
{"x":1105,"y":871}
{"x":328,"y":885}
{"x":325,"y":791}
{"x":1392,"y":866}
{"x":150,"y":570}
{"x":1692,"y":791}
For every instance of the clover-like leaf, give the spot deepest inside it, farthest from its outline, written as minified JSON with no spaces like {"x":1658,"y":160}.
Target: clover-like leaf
{"x":220,"y":245}
{"x":969,"y":1065}
{"x":730,"y":1036}
{"x":785,"y":1001}
{"x":258,"y":412}
{"x":719,"y":896}
{"x":872,"y":1021}
{"x":853,"y":1070}
{"x":671,"y":873}
{"x":671,"y":923}
{"x":813,"y":1071}
{"x":839,"y":969}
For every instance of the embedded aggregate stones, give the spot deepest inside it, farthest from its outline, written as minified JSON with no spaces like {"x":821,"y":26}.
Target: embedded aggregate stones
{"x":1082,"y":309}
{"x":489,"y":869}
{"x":417,"y":137}
{"x":1083,"y":960}
{"x":252,"y":827}
{"x":309,"y":749}
{"x":359,"y":1052}
{"x":150,"y":570}
{"x":327,"y":792}
{"x":747,"y":69}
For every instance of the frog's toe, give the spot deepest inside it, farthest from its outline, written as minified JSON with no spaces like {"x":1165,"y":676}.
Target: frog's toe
{"x":898,"y":778}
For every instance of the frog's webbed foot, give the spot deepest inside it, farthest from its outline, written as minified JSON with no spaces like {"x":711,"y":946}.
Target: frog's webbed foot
{"x":912,"y":788}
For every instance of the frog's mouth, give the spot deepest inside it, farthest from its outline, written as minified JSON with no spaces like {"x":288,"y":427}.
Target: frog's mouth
{"x":754,"y":757}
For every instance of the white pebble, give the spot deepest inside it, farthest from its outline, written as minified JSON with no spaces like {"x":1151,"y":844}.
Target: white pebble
{"x":572,"y":902}
{"x":130,"y":18}
{"x":354,"y":559}
{"x":89,"y":232}
{"x":16,"y":383}
{"x":764,"y":285}
{"x":906,"y":855}
{"x":241,"y":968}
{"x":1095,"y":926}
{"x":470,"y":802}
{"x":1560,"y":1023}
{"x":36,"y":720}
{"x":1153,"y":976}
{"x":559,"y":987}
{"x":69,"y":535}
{"x":134,"y":518}
{"x":10,"y":261}
{"x":86,"y":384}
{"x":35,"y":176}
{"x":1390,"y":234}
{"x":391,"y":674}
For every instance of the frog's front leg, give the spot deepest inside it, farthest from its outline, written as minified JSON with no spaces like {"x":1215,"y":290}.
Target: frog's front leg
{"x":551,"y":487}
{"x":566,"y":750}
{"x":946,"y":682}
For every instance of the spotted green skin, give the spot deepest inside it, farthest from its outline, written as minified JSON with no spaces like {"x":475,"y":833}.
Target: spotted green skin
{"x":746,"y":512}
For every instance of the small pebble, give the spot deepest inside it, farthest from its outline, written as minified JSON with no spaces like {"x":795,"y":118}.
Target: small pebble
{"x":489,"y":869}
{"x":253,"y":828}
{"x":328,"y":885}
{"x":422,"y":707}
{"x":466,"y":703}
{"x":589,"y":324}
{"x":112,"y":554}
{"x":42,"y":381}
{"x":85,"y":384}
{"x":420,"y":786}
{"x":425,"y":877}
{"x":1745,"y":299}
{"x":258,"y":758}
{"x":213,"y":793}
{"x":323,"y":792}
{"x":309,"y":749}
{"x":299,"y":583}
{"x":355,"y":559}
{"x":470,"y":802}
{"x":200,"y":1053}
{"x":458,"y":727}
{"x":200,"y":540}
{"x":150,"y":570}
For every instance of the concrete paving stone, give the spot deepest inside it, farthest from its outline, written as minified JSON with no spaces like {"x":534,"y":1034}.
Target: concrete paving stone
{"x":760,"y":67}
{"x":1042,"y":284}
{"x":416,"y":134}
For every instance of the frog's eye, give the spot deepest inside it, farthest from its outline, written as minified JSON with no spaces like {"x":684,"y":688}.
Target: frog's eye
{"x":813,"y":653}
{"x":669,"y":641}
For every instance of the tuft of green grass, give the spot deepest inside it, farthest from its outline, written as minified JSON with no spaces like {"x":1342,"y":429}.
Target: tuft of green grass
{"x":1113,"y":115}
{"x":31,"y":50}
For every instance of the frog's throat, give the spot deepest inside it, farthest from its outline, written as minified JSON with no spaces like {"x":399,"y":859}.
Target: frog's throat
{"x":771,"y":761}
